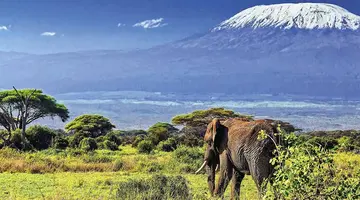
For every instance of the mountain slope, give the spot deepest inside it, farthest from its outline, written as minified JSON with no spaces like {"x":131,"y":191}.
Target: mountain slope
{"x":306,"y":49}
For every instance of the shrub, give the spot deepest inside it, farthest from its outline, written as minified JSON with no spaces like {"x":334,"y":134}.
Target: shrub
{"x":188,"y":154}
{"x":325,"y":142}
{"x":88,"y":144}
{"x":345,"y":144}
{"x":113,"y":137}
{"x":77,"y":138}
{"x":109,"y":145}
{"x":192,"y":136}
{"x":168,"y":145}
{"x":160,"y":132}
{"x":118,"y":165}
{"x":137,"y":140}
{"x":60,"y":143}
{"x":155,"y":188}
{"x":145,"y":146}
{"x":100,"y":139}
{"x":40,"y":137}
{"x":187,"y":159}
{"x":308,"y":171}
{"x":16,"y":139}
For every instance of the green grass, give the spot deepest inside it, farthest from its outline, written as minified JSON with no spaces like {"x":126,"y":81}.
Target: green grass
{"x":79,"y":175}
{"x":95,"y":185}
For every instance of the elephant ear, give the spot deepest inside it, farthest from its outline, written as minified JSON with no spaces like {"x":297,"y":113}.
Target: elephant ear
{"x":215,"y":128}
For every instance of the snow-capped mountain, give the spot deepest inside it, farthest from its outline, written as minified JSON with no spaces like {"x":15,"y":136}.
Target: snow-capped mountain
{"x":306,"y":49}
{"x":287,"y":16}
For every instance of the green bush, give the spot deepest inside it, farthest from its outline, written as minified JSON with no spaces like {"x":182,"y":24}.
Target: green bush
{"x":60,"y":143}
{"x":110,"y":145}
{"x":160,"y":132}
{"x":114,"y":137}
{"x":40,"y":137}
{"x":325,"y":142}
{"x":156,"y":188}
{"x":16,"y":139}
{"x":100,"y":139}
{"x":188,"y":154}
{"x":145,"y":146}
{"x":118,"y":165}
{"x":88,"y":144}
{"x":137,"y":139}
{"x":77,"y":138}
{"x":187,"y":159}
{"x":192,"y":136}
{"x":308,"y":171}
{"x":168,"y":145}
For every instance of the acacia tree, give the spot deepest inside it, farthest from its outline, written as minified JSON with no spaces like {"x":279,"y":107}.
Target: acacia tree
{"x":195,"y":123}
{"x":203,"y":117}
{"x":91,"y":125}
{"x":18,"y":108}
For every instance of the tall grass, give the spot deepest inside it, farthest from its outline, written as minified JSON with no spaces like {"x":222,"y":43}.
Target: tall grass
{"x":157,"y":187}
{"x":184,"y":160}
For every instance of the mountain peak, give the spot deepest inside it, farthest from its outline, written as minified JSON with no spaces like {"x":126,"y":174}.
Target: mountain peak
{"x":293,"y":15}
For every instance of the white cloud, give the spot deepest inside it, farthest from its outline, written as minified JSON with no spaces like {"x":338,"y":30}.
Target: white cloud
{"x":4,"y":28}
{"x":120,"y":25}
{"x":151,"y":23}
{"x":48,"y":34}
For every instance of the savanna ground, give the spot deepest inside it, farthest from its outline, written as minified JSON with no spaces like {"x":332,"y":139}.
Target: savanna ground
{"x":74,"y":174}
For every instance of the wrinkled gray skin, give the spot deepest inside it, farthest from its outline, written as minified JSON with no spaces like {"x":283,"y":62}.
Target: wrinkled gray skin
{"x":235,"y":146}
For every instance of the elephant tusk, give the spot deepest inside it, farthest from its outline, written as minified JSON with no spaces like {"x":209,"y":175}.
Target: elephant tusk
{"x":217,"y":167}
{"x":202,"y":167}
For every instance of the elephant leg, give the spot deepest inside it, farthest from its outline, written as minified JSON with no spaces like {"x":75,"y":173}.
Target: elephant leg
{"x":260,"y":174}
{"x":260,"y":171}
{"x":225,"y":175}
{"x":236,"y":184}
{"x":211,"y":177}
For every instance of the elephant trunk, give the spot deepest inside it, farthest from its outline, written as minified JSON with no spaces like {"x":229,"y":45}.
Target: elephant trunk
{"x":202,"y":166}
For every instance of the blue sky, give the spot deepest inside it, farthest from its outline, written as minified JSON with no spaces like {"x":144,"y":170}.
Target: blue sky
{"x":48,"y":26}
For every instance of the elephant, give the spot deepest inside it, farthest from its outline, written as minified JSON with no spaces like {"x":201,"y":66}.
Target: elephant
{"x":233,"y":144}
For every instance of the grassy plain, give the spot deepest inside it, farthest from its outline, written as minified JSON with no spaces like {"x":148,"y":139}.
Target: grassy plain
{"x":74,"y":174}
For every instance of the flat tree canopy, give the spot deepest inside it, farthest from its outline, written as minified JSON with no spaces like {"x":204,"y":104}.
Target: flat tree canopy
{"x":94,"y":125}
{"x":203,"y":117}
{"x":18,"y":108}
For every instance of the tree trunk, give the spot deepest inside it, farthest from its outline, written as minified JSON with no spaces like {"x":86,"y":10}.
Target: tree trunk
{"x":24,"y":116}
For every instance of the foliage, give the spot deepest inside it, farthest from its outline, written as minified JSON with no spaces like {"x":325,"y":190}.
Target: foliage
{"x":190,"y":158}
{"x":157,"y":187}
{"x":75,"y":139}
{"x":203,"y":117}
{"x":88,"y":144}
{"x":307,"y":171}
{"x":137,"y":139}
{"x":195,"y":124}
{"x":145,"y":146}
{"x":94,"y":125}
{"x":109,"y":145}
{"x":168,"y":145}
{"x":18,"y":108}
{"x":132,"y":133}
{"x":160,"y":132}
{"x":40,"y":137}
{"x":192,"y":136}
{"x":60,"y":143}
{"x":16,"y":139}
{"x":325,"y":142}
{"x":114,"y":137}
{"x":118,"y":165}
